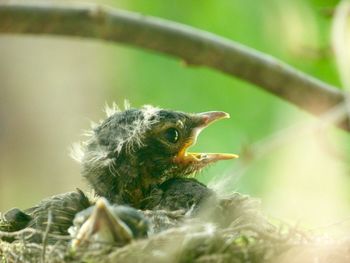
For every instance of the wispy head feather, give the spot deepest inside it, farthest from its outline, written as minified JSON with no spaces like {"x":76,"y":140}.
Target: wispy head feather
{"x":137,"y":129}
{"x":110,"y":110}
{"x":76,"y":152}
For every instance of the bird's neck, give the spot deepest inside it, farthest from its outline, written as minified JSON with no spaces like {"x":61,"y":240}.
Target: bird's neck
{"x":126,"y":183}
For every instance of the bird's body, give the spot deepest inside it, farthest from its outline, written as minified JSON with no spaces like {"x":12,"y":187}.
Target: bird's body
{"x":70,"y":210}
{"x":58,"y":211}
{"x":61,"y":208}
{"x":179,"y":194}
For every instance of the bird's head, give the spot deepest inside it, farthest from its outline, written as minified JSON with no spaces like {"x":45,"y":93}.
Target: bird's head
{"x":104,"y":224}
{"x":167,"y":142}
{"x":138,"y":148}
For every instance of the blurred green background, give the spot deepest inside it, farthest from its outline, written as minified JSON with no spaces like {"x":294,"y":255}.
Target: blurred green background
{"x":51,"y":87}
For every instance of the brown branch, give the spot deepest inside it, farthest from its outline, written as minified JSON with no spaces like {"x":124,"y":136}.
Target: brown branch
{"x":194,"y":46}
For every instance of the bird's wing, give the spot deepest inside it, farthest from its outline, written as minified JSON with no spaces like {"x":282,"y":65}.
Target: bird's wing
{"x":62,"y":208}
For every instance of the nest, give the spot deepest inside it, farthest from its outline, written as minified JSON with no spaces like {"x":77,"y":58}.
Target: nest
{"x":236,"y":232}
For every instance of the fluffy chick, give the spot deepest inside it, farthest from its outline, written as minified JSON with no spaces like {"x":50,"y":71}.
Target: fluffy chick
{"x":134,"y":150}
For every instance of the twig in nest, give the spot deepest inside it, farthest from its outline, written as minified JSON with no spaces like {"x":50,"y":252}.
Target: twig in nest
{"x":46,"y":235}
{"x":31,"y":231}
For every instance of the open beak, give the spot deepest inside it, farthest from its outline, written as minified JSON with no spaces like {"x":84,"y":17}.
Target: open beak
{"x":203,"y":120}
{"x":103,"y":226}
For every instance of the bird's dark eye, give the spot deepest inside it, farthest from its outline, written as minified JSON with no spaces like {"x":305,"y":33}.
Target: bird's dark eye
{"x":171,"y":135}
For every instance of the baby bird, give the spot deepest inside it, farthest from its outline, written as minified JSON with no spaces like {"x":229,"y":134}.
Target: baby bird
{"x":85,"y":221}
{"x":56,"y":212}
{"x":136,"y":157}
{"x":104,"y":224}
{"x":132,"y":151}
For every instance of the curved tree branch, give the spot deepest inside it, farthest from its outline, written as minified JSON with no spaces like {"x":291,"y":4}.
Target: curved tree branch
{"x":192,"y":45}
